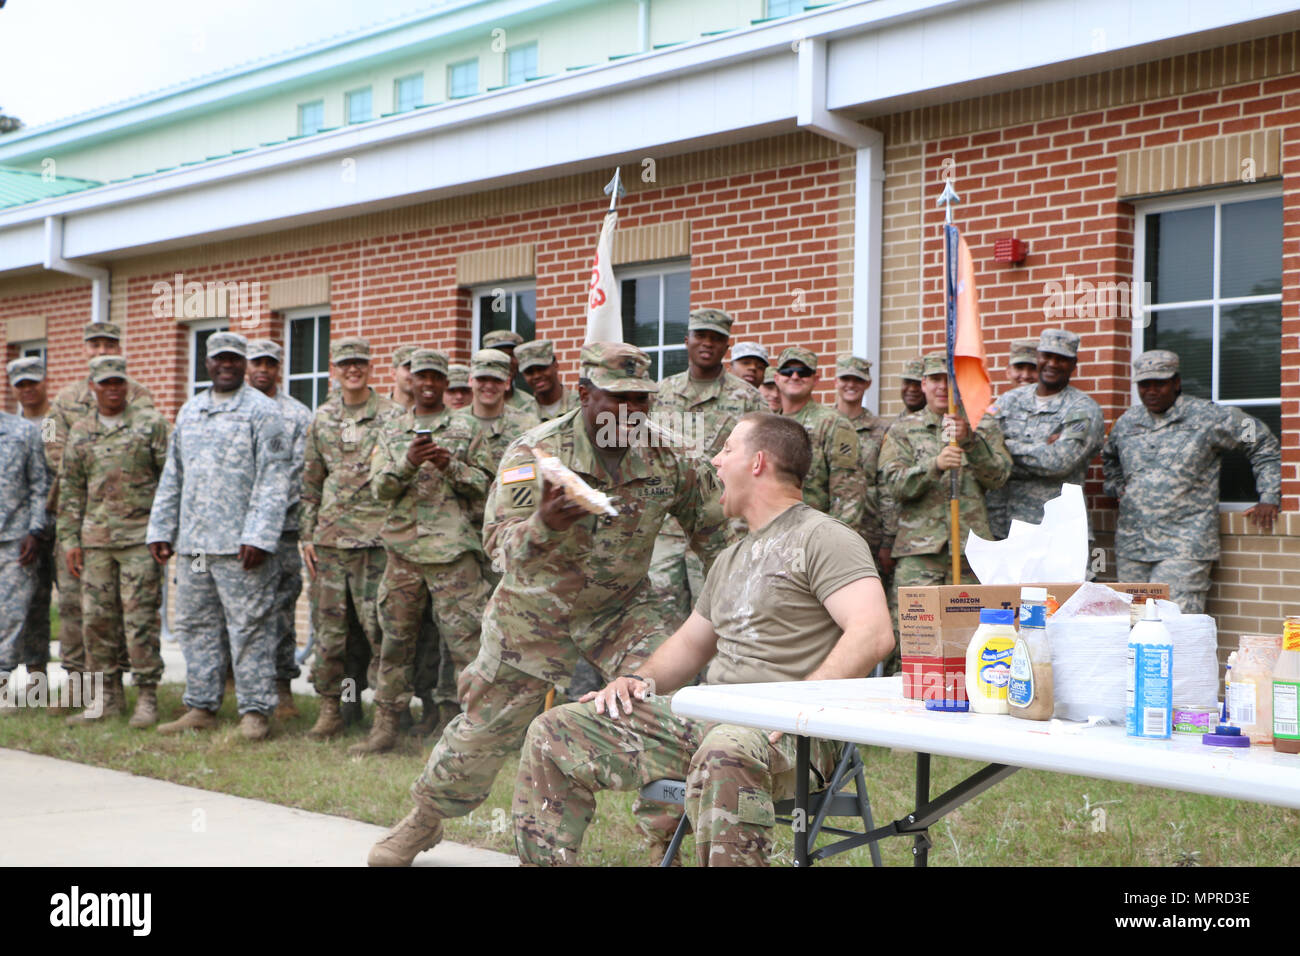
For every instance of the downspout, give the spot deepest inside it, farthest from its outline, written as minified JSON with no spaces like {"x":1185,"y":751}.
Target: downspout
{"x":643,"y":25}
{"x":869,"y":192}
{"x":54,"y":262}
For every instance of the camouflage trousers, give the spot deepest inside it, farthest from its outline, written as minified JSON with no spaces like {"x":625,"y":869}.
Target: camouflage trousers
{"x":288,"y":585}
{"x":216,"y":600}
{"x":35,"y":642}
{"x":435,"y":670}
{"x":677,"y":576}
{"x":926,"y":570}
{"x":458,"y":591}
{"x":17,"y":585}
{"x":1188,"y":580}
{"x":121,"y":591}
{"x":72,"y":647}
{"x":733,"y":776}
{"x":346,"y":591}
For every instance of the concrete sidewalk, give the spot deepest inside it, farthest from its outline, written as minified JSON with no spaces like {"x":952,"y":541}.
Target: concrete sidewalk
{"x":61,"y":813}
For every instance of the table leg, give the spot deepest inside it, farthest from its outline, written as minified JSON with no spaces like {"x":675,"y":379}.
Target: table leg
{"x":921,"y":845}
{"x":801,"y":766}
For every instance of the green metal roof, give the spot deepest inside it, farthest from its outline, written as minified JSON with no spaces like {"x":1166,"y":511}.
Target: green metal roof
{"x":18,"y":186}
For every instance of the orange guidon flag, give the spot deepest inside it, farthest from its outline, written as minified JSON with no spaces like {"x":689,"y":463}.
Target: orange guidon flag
{"x":968,"y":348}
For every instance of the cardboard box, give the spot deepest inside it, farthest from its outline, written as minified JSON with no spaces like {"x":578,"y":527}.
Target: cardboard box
{"x":935,"y":624}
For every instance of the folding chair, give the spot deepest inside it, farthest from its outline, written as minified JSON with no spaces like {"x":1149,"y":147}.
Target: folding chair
{"x":834,"y":800}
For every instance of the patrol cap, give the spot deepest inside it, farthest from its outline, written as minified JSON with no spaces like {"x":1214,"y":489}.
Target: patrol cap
{"x":796,"y":354}
{"x":103,"y":367}
{"x":231,"y":342}
{"x":1024,"y":352}
{"x":457,"y":376}
{"x":709,"y":320}
{"x":935,"y":363}
{"x":769,"y":376}
{"x":1059,"y":342}
{"x":1155,"y":364}
{"x":502,"y":339}
{"x":913,"y":370}
{"x":29,"y":369}
{"x":102,"y":330}
{"x":854,"y":366}
{"x":428,"y":360}
{"x":351,"y":347}
{"x":616,"y":367}
{"x":489,"y":363}
{"x":750,"y":350}
{"x":538,"y":353}
{"x":265,"y":348}
{"x":402,"y":355}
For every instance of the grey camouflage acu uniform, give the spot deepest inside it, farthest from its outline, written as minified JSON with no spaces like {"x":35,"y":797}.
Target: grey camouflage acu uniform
{"x":24,"y":484}
{"x":288,"y":562}
{"x":225,"y":484}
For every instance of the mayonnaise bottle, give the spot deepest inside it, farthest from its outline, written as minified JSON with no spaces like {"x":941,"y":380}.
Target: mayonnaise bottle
{"x":988,"y":661}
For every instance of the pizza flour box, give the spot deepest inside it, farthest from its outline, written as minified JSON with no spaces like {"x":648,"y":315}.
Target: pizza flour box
{"x":935,"y":624}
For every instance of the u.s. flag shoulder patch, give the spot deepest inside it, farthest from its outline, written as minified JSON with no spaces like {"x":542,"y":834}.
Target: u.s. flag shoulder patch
{"x":520,"y":473}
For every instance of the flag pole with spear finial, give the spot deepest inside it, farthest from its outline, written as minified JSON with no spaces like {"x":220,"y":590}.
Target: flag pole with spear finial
{"x":948,"y":199}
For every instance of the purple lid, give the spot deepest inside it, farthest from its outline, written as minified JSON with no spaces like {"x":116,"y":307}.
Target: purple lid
{"x":1225,"y":740}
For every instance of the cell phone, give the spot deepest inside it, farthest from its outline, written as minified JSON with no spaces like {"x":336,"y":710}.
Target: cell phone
{"x":424,"y":433}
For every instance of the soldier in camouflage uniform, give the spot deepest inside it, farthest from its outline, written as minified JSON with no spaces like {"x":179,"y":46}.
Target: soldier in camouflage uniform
{"x":836,"y":484}
{"x":913,"y":397}
{"x":1161,"y":460}
{"x":769,"y":392}
{"x":498,"y":423}
{"x":1022,"y":363}
{"x":111,"y":466}
{"x":27,"y":379}
{"x":220,"y":508}
{"x":503,"y":340}
{"x":401,"y":393}
{"x":432,"y":468}
{"x":852,"y":379}
{"x":1052,"y":431}
{"x":915,"y":463}
{"x":341,"y":524}
{"x":537,"y":364}
{"x":74,"y":402}
{"x":24,"y":486}
{"x":749,"y":361}
{"x":575,"y":583}
{"x":458,"y":394}
{"x":264,"y":364}
{"x":797,"y":599}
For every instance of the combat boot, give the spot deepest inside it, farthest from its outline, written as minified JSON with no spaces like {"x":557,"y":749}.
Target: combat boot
{"x":419,"y":830}
{"x":193,"y":719}
{"x":447,"y":712}
{"x":146,"y":708}
{"x":383,"y":732}
{"x":351,"y":712}
{"x":254,"y":726}
{"x":286,"y":709}
{"x":107,"y":703}
{"x":329,"y":722}
{"x":428,"y":719}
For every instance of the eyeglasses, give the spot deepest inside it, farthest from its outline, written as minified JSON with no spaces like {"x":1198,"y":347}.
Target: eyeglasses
{"x":802,"y":371}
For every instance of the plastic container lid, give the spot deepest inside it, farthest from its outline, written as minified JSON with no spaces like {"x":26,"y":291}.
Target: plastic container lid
{"x":1224,"y":740}
{"x":997,"y":615}
{"x":948,"y":706}
{"x":1034,"y":594}
{"x":1227,"y":730}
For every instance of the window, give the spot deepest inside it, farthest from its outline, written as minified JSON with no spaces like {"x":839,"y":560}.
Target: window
{"x":462,"y":79}
{"x":784,"y":8}
{"x":1214,"y":268}
{"x":357,"y":106}
{"x":307,"y":354}
{"x":656,"y":306}
{"x":311,"y":117}
{"x":506,"y":306}
{"x":33,"y":349}
{"x":408,"y":93}
{"x":521,"y":64}
{"x":200,"y":332}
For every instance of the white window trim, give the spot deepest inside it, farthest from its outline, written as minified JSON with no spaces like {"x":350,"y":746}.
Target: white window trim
{"x":347,"y":105}
{"x":202,"y":325}
{"x":1194,"y":200}
{"x":505,"y":62}
{"x":301,"y":106}
{"x":478,"y":78}
{"x":310,"y":312}
{"x":397,"y":92}
{"x":479,"y":291}
{"x":658,"y":269}
{"x":41,"y":344}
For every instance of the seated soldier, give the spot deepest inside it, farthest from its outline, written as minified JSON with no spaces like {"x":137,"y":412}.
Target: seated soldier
{"x":797,"y":599}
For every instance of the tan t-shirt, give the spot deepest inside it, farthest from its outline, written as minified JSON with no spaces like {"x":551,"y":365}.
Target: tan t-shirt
{"x":764,"y":596}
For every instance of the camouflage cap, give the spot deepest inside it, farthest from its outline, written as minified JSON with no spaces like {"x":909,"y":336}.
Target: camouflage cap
{"x":538,"y":353}
{"x":1024,"y":352}
{"x":428,"y":360}
{"x":231,"y":342}
{"x":769,"y":376}
{"x":265,"y":348}
{"x":103,"y":367}
{"x":502,"y":339}
{"x":795,"y":354}
{"x":913,"y":370}
{"x":1155,"y":364}
{"x":490,"y":363}
{"x":351,"y":347}
{"x":102,"y":330}
{"x":29,"y":369}
{"x":616,"y":367}
{"x":457,"y":376}
{"x":750,"y":350}
{"x":402,"y":355}
{"x":935,"y":363}
{"x":709,"y":320}
{"x":854,"y":366}
{"x":1059,"y":342}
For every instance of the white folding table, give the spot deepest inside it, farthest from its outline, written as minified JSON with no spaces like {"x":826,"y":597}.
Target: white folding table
{"x":874,"y":711}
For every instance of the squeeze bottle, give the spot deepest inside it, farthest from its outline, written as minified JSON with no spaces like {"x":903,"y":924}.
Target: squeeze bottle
{"x":1150,"y":691}
{"x":1030,"y":694}
{"x":988,"y":661}
{"x":1286,"y":691}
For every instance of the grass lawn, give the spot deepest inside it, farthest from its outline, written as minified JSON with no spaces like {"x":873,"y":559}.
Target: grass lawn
{"x":1033,"y":818}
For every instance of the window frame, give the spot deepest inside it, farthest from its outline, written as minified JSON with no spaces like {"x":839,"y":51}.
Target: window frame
{"x":302,"y":130}
{"x":451,"y":73}
{"x":369,"y":91}
{"x":660,"y":269}
{"x":397,"y":92}
{"x":287,"y":376}
{"x":192,"y":334}
{"x":802,"y":4}
{"x":511,"y":289}
{"x":33,"y":348}
{"x":537,"y":62}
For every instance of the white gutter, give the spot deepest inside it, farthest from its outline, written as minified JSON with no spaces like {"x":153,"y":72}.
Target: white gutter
{"x":54,"y":262}
{"x":868,"y":202}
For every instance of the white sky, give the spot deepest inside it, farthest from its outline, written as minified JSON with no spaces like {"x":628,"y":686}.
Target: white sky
{"x":63,"y":57}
